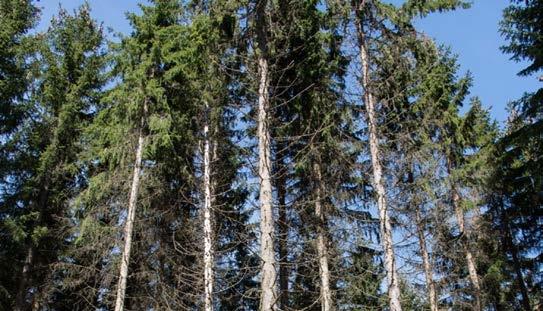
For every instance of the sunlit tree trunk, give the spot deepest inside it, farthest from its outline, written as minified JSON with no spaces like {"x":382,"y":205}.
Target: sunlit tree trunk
{"x":470,"y":260}
{"x":378,"y":184}
{"x":268,"y":295}
{"x":427,"y":265}
{"x":129,"y":225}
{"x":208,"y":233}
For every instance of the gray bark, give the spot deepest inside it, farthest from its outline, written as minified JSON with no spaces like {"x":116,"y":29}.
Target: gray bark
{"x":378,"y":184}
{"x":283,"y":232}
{"x":470,"y":260}
{"x":129,"y":225}
{"x":20,"y":299}
{"x":427,"y":265}
{"x":268,"y":295}
{"x":322,"y":247}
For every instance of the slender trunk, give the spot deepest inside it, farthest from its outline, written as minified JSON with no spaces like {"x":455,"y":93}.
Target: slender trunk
{"x":470,"y":260}
{"x":428,"y":270}
{"x":20,"y":300}
{"x":322,"y":247}
{"x":283,"y":231}
{"x":208,"y":233}
{"x":129,"y":225}
{"x":378,"y":184}
{"x":512,"y":249}
{"x":268,"y":295}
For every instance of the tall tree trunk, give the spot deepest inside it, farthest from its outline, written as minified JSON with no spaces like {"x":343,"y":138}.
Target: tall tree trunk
{"x":283,"y":230}
{"x":470,"y":260}
{"x":20,"y":299}
{"x":512,"y":249}
{"x":129,"y":225}
{"x":208,"y":233}
{"x":384,"y":221}
{"x":268,"y":295}
{"x":428,"y":270}
{"x":322,"y":247}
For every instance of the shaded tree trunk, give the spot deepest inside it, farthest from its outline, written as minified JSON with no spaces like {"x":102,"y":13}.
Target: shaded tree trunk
{"x":322,"y":247}
{"x":30,"y":258}
{"x":283,"y":230}
{"x":427,"y":265}
{"x":378,"y":184}
{"x":129,"y":225}
{"x":512,"y":249}
{"x":20,"y":299}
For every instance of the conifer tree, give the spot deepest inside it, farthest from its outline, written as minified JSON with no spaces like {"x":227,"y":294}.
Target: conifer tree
{"x":140,"y":123}
{"x":271,"y":155}
{"x":17,"y":17}
{"x":368,"y":18}
{"x":68,"y":77}
{"x":515,"y":189}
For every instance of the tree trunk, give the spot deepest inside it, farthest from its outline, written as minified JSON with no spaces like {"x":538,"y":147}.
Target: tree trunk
{"x":428,"y":270}
{"x":20,"y":300}
{"x":283,"y":230}
{"x":470,"y":260}
{"x":512,"y":249}
{"x":268,"y":295}
{"x":208,"y":233}
{"x":384,"y":221}
{"x":129,"y":225}
{"x":322,"y":247}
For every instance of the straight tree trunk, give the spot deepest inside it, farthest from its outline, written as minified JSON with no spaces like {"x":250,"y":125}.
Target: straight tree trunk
{"x":20,"y":299}
{"x":322,"y":247}
{"x":268,"y":295}
{"x":283,"y":231}
{"x":129,"y":225}
{"x":208,"y":233}
{"x":428,"y":270}
{"x":470,"y":260}
{"x":384,"y":221}
{"x":511,"y":247}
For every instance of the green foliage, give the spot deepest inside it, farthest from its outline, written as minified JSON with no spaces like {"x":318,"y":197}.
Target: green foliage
{"x":522,"y":27}
{"x":16,"y":18}
{"x":72,"y":110}
{"x":40,"y":156}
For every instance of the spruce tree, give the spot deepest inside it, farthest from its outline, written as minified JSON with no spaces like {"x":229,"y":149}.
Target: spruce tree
{"x":43,"y":166}
{"x":380,"y":28}
{"x":16,"y":19}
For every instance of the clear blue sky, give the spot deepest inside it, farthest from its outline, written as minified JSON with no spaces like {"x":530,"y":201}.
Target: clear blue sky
{"x":472,"y":34}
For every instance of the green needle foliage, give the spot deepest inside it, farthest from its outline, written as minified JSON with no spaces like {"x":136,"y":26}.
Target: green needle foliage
{"x":463,"y":196}
{"x":42,"y":152}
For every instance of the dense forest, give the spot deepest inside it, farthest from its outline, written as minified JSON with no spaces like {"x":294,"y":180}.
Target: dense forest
{"x":264,"y":155}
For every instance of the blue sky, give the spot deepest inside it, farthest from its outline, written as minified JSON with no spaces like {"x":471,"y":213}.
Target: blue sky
{"x":472,"y":34}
